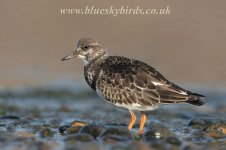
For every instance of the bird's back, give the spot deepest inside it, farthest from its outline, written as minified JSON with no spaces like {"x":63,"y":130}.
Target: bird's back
{"x":135,"y":85}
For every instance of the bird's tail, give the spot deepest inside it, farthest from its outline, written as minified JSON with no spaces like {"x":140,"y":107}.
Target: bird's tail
{"x":196,"y":99}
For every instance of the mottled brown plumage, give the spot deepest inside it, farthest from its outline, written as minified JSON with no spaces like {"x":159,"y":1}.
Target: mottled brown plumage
{"x":128,"y":83}
{"x":125,"y":81}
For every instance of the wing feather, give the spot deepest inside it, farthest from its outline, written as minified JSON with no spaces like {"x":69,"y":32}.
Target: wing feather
{"x":128,"y":81}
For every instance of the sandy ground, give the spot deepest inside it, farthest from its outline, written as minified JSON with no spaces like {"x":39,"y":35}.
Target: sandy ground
{"x":187,"y":46}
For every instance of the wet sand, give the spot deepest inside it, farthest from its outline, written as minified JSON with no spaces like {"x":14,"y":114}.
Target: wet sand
{"x":57,"y":118}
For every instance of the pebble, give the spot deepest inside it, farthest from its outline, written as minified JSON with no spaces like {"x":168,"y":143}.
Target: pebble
{"x":55,"y":123}
{"x":63,"y":128}
{"x":73,"y":130}
{"x":199,"y":123}
{"x":114,"y":139}
{"x":10,"y":117}
{"x":79,"y":123}
{"x":197,"y":136}
{"x":21,"y":123}
{"x":216,"y":130}
{"x":42,"y":145}
{"x":139,"y":146}
{"x":157,"y":132}
{"x":79,"y":137}
{"x":11,"y":128}
{"x":44,"y":133}
{"x":173,"y":140}
{"x":115,"y":135}
{"x":84,"y":146}
{"x":92,"y":129}
{"x":36,"y":128}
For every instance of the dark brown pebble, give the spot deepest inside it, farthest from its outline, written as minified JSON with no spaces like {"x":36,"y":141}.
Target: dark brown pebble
{"x":63,"y":128}
{"x":46,"y":133}
{"x":46,"y":125}
{"x":173,"y":140}
{"x":36,"y":128}
{"x":21,"y":123}
{"x":139,"y":146}
{"x":84,"y":146}
{"x":216,"y":130}
{"x":73,"y":130}
{"x":92,"y":129}
{"x":9,"y":117}
{"x":122,"y":132}
{"x":157,"y":132}
{"x":80,"y":137}
{"x":199,"y":122}
{"x":113,"y":139}
{"x":197,"y":136}
{"x":11,"y":128}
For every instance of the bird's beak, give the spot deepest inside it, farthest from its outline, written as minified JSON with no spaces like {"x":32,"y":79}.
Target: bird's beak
{"x":72,"y":55}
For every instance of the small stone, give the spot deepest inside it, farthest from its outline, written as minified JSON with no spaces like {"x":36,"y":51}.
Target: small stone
{"x":73,"y":130}
{"x":159,"y":135}
{"x":46,"y":133}
{"x":215,"y":134}
{"x":63,"y":128}
{"x":10,"y":117}
{"x":92,"y":129}
{"x":46,"y":125}
{"x":202,"y":122}
{"x":219,"y":126}
{"x":197,"y":136}
{"x":118,"y":132}
{"x":157,"y":132}
{"x":36,"y":128}
{"x":173,"y":140}
{"x":79,"y":123}
{"x":11,"y":128}
{"x":139,"y":146}
{"x":21,"y":123}
{"x":55,"y":123}
{"x":44,"y":145}
{"x":113,"y":139}
{"x":115,"y":135}
{"x":216,"y":130}
{"x":80,"y":137}
{"x":84,"y":146}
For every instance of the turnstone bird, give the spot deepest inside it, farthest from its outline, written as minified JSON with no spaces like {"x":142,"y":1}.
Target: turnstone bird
{"x":128,"y":83}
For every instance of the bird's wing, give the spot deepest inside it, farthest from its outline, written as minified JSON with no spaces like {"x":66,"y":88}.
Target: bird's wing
{"x":130,"y":81}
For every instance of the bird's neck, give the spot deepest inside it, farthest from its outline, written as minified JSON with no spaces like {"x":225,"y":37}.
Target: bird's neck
{"x":92,"y":69}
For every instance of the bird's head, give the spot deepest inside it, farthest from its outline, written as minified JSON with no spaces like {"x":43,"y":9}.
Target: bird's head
{"x":88,"y":49}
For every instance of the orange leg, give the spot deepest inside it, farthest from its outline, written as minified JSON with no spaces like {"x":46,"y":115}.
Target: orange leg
{"x":133,"y":119}
{"x":142,"y":122}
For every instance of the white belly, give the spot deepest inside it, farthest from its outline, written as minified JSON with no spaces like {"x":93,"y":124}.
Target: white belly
{"x":136,"y":106}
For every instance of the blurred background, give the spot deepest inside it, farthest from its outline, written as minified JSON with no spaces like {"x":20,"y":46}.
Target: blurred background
{"x":187,"y":46}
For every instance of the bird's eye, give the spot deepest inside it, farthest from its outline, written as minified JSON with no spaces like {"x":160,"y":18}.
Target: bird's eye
{"x":86,"y":46}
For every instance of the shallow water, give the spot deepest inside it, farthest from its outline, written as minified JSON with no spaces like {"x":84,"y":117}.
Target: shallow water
{"x":55,"y":107}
